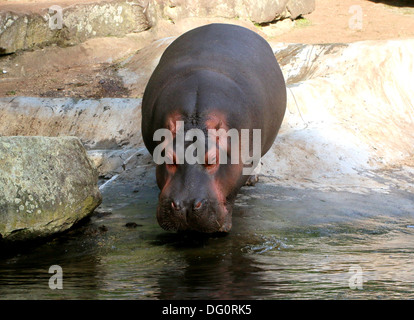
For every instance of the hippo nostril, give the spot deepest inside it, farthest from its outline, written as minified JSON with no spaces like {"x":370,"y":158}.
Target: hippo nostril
{"x":199,"y":204}
{"x":176,"y":205}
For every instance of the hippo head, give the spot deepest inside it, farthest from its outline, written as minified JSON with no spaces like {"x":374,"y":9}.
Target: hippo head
{"x":197,"y":195}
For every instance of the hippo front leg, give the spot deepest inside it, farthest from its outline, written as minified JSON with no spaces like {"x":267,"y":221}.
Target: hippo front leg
{"x":254,"y":177}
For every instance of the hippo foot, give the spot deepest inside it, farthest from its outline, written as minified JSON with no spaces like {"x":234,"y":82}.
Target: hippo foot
{"x":252,"y":180}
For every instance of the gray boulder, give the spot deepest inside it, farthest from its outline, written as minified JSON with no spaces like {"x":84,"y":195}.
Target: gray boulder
{"x":47,"y":185}
{"x":300,"y":7}
{"x":262,"y":11}
{"x":26,"y":25}
{"x":258,"y":11}
{"x":37,"y":24}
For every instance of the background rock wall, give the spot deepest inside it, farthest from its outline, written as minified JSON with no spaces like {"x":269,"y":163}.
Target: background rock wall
{"x":100,"y":124}
{"x":24,"y":26}
{"x":259,"y":11}
{"x":27,"y":25}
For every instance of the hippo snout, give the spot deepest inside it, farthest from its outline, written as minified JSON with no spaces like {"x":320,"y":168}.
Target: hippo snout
{"x":201,"y":215}
{"x":196,"y":205}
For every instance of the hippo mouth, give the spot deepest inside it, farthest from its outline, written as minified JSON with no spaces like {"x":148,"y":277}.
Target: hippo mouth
{"x":214,"y":217}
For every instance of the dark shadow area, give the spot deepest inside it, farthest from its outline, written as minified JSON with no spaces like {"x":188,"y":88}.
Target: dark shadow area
{"x":187,"y":239}
{"x":398,"y":3}
{"x":10,"y":248}
{"x":25,"y":266}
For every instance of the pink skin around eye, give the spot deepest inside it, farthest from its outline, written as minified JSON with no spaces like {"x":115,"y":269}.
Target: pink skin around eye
{"x":217,"y":132}
{"x":172,"y":163}
{"x":212,"y":160}
{"x":174,"y":123}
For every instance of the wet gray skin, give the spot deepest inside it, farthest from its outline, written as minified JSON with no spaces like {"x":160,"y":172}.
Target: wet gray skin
{"x":285,"y":244}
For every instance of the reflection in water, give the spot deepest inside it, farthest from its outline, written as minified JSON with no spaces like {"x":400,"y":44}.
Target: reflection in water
{"x":296,"y":244}
{"x":26,"y":274}
{"x":222,"y":272}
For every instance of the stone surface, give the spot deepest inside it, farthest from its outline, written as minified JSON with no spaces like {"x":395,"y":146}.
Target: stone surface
{"x":273,"y":30}
{"x":298,"y":8}
{"x":137,"y":69}
{"x":112,"y":162}
{"x":350,"y":117}
{"x":47,"y":185}
{"x":100,"y":124}
{"x":262,"y":11}
{"x":258,"y":11}
{"x":26,"y":25}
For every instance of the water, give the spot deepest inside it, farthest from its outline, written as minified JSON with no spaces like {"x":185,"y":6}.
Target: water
{"x":285,"y":244}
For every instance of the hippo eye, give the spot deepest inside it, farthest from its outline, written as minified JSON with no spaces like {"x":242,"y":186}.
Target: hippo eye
{"x":211,"y":166}
{"x":211,"y":161}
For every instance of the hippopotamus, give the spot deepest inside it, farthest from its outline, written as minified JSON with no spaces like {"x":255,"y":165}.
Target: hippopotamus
{"x":222,"y":77}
